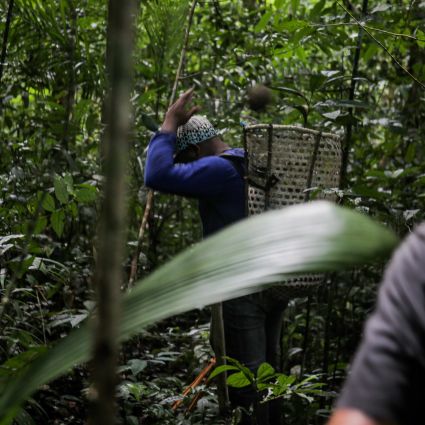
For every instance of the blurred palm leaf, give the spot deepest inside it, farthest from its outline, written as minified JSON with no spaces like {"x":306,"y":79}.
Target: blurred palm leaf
{"x":164,"y":21}
{"x":306,"y":238}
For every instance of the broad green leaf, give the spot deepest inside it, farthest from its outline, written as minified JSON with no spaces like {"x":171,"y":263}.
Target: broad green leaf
{"x":410,"y":153}
{"x":74,"y":209}
{"x":86,"y":193}
{"x":263,"y":21}
{"x":40,"y":225}
{"x":264,"y":371}
{"x":238,"y":380}
{"x":294,"y":6}
{"x":370,"y":51}
{"x":317,"y":8}
{"x":221,"y":369}
{"x":292,"y":25}
{"x":61,"y":190}
{"x":316,"y":81}
{"x":291,"y":91}
{"x":69,"y":182}
{"x":421,"y":35}
{"x":48,"y":203}
{"x":301,"y":33}
{"x":58,"y":222}
{"x":237,"y":261}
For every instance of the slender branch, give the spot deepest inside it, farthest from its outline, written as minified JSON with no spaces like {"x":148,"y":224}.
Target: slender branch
{"x":382,"y":45}
{"x":149,"y":201}
{"x":134,"y":261}
{"x":183,"y":52}
{"x":393,"y":34}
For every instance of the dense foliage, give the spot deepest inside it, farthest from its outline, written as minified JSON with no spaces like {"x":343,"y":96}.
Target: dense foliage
{"x":355,"y":68}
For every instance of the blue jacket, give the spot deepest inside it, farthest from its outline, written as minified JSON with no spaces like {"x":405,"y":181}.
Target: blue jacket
{"x":215,"y":181}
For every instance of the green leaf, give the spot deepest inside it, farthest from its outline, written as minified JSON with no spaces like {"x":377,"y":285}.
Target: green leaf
{"x":294,"y":6}
{"x":69,"y":182}
{"x":238,"y":380}
{"x":58,"y":222}
{"x":74,"y":209}
{"x":420,"y":34}
{"x":301,"y":33}
{"x":316,"y":81}
{"x":291,"y":91}
{"x":48,"y":203}
{"x":40,"y":225}
{"x":61,"y":190}
{"x":265,"y":371}
{"x":263,"y":21}
{"x":86,"y":194}
{"x":239,"y":260}
{"x":292,"y":25}
{"x":410,"y":153}
{"x":317,"y":8}
{"x":221,"y":369}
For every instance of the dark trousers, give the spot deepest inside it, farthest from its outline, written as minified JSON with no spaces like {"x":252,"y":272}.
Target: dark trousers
{"x":252,"y":328}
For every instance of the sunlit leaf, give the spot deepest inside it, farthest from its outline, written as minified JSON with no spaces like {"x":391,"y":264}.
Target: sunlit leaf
{"x":237,"y":380}
{"x":263,"y":21}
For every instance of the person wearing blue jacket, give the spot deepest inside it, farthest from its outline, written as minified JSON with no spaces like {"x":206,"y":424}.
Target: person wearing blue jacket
{"x":187,"y":157}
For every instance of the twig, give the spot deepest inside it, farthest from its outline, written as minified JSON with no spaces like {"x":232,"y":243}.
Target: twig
{"x":133,"y":270}
{"x":382,"y":45}
{"x":204,"y":372}
{"x":393,"y":34}
{"x":134,"y":261}
{"x":183,"y":52}
{"x":42,"y":317}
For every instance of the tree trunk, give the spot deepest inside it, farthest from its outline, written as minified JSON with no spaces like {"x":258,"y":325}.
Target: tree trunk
{"x":111,"y":231}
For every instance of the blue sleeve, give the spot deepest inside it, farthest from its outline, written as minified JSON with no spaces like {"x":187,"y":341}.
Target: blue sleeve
{"x":205,"y":177}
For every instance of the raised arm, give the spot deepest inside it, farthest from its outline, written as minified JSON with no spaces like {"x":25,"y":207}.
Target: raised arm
{"x":206,"y":176}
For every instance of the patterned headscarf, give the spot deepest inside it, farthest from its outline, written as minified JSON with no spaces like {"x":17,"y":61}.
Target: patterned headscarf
{"x":195,"y":131}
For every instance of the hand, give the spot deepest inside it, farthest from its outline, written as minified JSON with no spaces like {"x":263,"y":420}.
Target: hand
{"x":177,"y":113}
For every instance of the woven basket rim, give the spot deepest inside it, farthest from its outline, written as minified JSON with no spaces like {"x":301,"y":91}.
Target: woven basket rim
{"x":292,"y":128}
